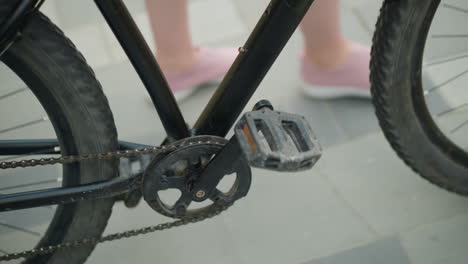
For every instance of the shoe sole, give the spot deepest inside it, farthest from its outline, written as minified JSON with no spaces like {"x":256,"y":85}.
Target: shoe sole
{"x":334,"y":92}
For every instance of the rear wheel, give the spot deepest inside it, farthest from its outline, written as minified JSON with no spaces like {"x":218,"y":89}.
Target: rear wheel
{"x":59,"y":87}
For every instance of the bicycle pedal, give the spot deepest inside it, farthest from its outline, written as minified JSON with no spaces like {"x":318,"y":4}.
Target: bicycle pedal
{"x":276,"y":140}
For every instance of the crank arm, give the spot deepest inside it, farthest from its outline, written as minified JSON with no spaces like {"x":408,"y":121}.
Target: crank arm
{"x":222,"y":164}
{"x":64,"y":195}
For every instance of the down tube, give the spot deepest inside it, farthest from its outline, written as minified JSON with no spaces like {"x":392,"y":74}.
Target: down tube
{"x":278,"y":23}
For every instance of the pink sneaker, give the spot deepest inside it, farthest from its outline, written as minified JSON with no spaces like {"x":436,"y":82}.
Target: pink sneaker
{"x":210,"y":67}
{"x":350,"y":80}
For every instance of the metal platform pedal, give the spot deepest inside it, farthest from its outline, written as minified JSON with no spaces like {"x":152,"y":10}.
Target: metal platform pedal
{"x":276,"y":140}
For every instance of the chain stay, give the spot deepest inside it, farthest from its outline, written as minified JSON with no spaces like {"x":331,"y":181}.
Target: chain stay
{"x":157,"y":150}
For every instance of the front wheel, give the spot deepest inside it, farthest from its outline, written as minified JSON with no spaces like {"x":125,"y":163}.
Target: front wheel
{"x":411,"y":105}
{"x":56,"y":76}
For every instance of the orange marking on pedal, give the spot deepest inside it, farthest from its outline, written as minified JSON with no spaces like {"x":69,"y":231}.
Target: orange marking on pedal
{"x":249,"y":137}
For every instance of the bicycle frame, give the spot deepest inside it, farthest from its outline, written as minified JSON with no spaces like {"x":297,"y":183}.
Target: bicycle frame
{"x":255,"y":58}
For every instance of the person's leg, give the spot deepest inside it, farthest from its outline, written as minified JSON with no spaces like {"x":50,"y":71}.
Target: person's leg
{"x":332,"y":66}
{"x":324,"y":44}
{"x":170,"y":26}
{"x":185,"y":66}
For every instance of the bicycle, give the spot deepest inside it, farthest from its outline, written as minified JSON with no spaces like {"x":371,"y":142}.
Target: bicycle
{"x":195,"y":160}
{"x":87,"y":142}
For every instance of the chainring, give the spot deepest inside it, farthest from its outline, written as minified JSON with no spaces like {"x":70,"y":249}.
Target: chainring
{"x":181,"y":168}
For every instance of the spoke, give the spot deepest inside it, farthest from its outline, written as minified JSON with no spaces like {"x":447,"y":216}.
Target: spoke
{"x":445,"y":83}
{"x":451,"y":110}
{"x":30,"y":123}
{"x":13,"y":93}
{"x":28,"y":185}
{"x":17,"y":228}
{"x":456,"y":8}
{"x":450,"y":36}
{"x":446,"y":60}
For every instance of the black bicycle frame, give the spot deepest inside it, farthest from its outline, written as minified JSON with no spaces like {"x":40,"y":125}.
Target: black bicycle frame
{"x":255,"y":58}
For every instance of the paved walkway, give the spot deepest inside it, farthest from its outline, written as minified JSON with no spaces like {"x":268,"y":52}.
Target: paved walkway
{"x":360,"y":204}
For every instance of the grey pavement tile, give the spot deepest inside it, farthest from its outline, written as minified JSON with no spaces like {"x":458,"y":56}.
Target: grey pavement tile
{"x":351,"y":3}
{"x":320,"y":116}
{"x":291,"y":218}
{"x":15,"y":95}
{"x":73,"y":14}
{"x":10,"y":81}
{"x":89,"y":40}
{"x":250,"y":11}
{"x":385,"y":251}
{"x":355,"y":116}
{"x":28,"y":114}
{"x":16,"y":241}
{"x":134,"y":115}
{"x":222,"y":22}
{"x":30,"y":220}
{"x":49,"y":8}
{"x":440,"y":242}
{"x":367,"y":12}
{"x":378,"y":185}
{"x":207,"y":242}
{"x":20,"y":180}
{"x":43,"y":129}
{"x":354,"y":26}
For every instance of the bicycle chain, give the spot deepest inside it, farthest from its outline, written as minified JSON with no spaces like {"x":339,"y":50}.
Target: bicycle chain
{"x":92,"y":241}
